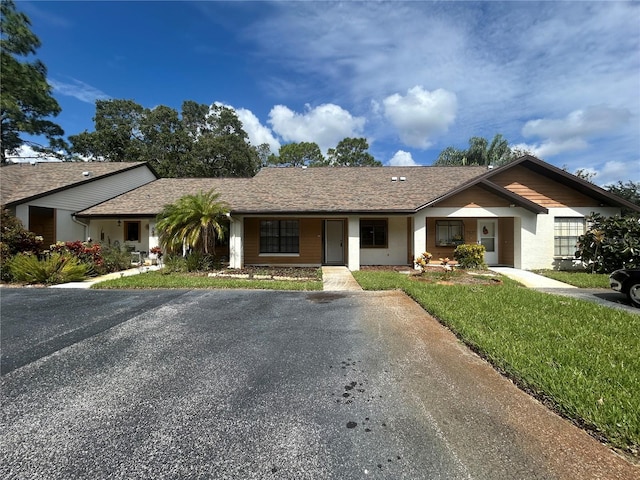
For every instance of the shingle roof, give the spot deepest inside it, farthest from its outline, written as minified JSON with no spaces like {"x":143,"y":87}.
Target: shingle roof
{"x":356,"y":189}
{"x":149,"y":199}
{"x":298,"y":190}
{"x":22,"y":181}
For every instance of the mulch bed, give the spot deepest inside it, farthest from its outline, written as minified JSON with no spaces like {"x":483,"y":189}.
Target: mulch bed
{"x":296,"y":273}
{"x":438,"y":275}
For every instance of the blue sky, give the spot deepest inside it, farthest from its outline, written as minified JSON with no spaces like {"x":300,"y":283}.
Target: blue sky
{"x":561,"y":79}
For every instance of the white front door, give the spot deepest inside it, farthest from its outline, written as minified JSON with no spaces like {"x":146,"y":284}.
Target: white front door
{"x":333,"y":242}
{"x":488,"y":236}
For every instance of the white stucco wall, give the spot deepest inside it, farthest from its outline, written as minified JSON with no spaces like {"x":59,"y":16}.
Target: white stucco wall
{"x":353,"y":232}
{"x":537,"y":244}
{"x":396,"y":251}
{"x":236,"y":234}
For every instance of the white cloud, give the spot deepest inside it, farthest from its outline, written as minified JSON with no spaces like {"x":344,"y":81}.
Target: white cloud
{"x":325,"y":124}
{"x":573,"y":132}
{"x":505,"y":63}
{"x":420,"y":115}
{"x":80,"y":90}
{"x":402,"y":159}
{"x":593,"y":120}
{"x":258,"y":133}
{"x":614,"y":171}
{"x":26,"y":153}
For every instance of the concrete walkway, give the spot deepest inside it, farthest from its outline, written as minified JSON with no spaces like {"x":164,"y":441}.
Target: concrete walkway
{"x":530,"y":279}
{"x":602,"y":296}
{"x":109,"y":276}
{"x":338,"y":279}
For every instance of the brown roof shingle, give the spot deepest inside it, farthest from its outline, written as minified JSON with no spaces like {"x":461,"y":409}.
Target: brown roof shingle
{"x":302,"y":190}
{"x":22,"y":181}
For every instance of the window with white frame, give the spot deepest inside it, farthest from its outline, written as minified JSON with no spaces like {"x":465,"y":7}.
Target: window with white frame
{"x":566,"y":233}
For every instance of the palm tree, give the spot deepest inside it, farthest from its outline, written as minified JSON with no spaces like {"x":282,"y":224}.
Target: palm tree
{"x":480,"y":152}
{"x":194,"y":220}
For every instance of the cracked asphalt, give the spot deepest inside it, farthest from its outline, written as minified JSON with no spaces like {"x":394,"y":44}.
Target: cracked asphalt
{"x":261,"y":384}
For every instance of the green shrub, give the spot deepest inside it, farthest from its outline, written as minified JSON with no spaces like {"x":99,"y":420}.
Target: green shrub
{"x":115,"y":258}
{"x":174,"y":264}
{"x":198,"y":262}
{"x":86,"y":252}
{"x":15,"y":239}
{"x":52,"y":269}
{"x":470,"y":256}
{"x":610,"y":243}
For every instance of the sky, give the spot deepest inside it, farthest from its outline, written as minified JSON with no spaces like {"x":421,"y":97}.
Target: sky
{"x":559,"y":79}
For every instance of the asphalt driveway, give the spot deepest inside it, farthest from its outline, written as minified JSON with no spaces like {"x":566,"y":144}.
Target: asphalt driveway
{"x":260,"y":384}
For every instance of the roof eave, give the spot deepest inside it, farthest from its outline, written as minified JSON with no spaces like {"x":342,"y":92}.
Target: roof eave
{"x":557,"y":174}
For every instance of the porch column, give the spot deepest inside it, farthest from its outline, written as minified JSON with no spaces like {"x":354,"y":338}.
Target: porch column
{"x":354,"y":243}
{"x":419,"y":234}
{"x":236,"y":232}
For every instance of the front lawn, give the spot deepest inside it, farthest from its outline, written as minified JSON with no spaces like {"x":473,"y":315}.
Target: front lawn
{"x":578,"y":279}
{"x":288,"y":281}
{"x":576,"y":356}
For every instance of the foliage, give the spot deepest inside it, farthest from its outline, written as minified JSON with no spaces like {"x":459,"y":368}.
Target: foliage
{"x":423,"y":260}
{"x":352,"y":152}
{"x":86,"y":252}
{"x":174,"y":264}
{"x":480,"y":152}
{"x":630,"y":191}
{"x":200,"y":141}
{"x":193,"y":262}
{"x":115,"y":258}
{"x":470,"y":256}
{"x":25,"y":96}
{"x":15,"y":239}
{"x":584,"y":174}
{"x":116,"y":138}
{"x":197,"y":262}
{"x":195,"y":220}
{"x":298,"y":154}
{"x":577,"y":355}
{"x":610,"y":243}
{"x":51,"y":269}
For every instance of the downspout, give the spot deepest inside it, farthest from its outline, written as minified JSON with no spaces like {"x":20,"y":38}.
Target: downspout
{"x":86,"y":227}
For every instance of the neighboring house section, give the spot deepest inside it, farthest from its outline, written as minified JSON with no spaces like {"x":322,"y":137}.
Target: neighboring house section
{"x":528,"y":214}
{"x":46,"y":196}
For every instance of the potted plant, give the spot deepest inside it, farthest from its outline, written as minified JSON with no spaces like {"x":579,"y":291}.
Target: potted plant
{"x":155,"y":254}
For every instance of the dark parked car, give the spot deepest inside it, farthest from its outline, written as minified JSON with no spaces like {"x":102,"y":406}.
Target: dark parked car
{"x":627,"y":281}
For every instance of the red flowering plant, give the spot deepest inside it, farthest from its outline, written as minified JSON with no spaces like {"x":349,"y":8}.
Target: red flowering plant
{"x":86,"y":252}
{"x":157,"y":251}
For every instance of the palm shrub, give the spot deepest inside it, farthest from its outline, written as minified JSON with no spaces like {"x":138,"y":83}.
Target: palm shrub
{"x":51,"y":269}
{"x":193,"y":220}
{"x":470,"y":256}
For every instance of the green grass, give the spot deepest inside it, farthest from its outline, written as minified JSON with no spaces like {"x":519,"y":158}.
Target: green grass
{"x":578,"y":356}
{"x":189,"y":281}
{"x":578,"y":279}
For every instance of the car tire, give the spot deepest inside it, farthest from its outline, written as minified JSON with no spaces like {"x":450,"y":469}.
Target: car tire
{"x":634,"y":294}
